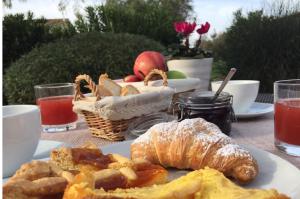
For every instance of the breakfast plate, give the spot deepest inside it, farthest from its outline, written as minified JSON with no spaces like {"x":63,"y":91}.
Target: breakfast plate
{"x":257,"y":109}
{"x":274,"y":172}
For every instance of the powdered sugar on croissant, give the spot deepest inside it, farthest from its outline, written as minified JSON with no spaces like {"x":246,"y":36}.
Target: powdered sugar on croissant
{"x":194,"y":144}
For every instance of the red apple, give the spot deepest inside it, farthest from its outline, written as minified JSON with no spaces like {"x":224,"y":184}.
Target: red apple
{"x":131,"y":78}
{"x":147,"y":61}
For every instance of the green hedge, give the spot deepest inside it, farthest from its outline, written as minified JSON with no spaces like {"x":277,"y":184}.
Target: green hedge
{"x":23,"y":32}
{"x":61,"y":61}
{"x":153,"y":19}
{"x":262,"y":47}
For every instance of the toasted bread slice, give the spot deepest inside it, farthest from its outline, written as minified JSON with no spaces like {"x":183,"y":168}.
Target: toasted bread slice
{"x":109,"y":85}
{"x":103,"y":77}
{"x":111,"y":170}
{"x":129,"y":90}
{"x":62,"y":157}
{"x":104,"y":92}
{"x":37,"y":179}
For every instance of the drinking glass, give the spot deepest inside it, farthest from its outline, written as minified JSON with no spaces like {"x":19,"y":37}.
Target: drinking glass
{"x":287,"y":116}
{"x":55,"y":102}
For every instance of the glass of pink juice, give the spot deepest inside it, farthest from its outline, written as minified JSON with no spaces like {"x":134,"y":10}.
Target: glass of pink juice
{"x":287,"y":116}
{"x":55,"y":102}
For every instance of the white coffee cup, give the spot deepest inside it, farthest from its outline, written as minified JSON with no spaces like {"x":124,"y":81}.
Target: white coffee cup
{"x":21,"y":134}
{"x":244,"y":93}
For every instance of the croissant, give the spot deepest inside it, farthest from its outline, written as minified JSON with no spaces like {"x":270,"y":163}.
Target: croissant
{"x":195,"y":144}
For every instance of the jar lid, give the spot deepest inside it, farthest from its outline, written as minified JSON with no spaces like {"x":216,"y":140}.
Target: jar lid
{"x":203,"y":98}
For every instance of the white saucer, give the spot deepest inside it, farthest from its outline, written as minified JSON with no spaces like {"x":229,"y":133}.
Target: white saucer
{"x":44,"y":148}
{"x":256,"y":109}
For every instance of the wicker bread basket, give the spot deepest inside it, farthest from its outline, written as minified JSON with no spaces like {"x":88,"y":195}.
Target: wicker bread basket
{"x":105,"y":128}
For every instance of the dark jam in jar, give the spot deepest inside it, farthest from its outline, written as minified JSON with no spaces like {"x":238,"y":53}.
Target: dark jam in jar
{"x":200,"y":105}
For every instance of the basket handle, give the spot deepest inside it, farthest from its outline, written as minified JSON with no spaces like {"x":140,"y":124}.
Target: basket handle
{"x":91,"y":85}
{"x":158,"y":72}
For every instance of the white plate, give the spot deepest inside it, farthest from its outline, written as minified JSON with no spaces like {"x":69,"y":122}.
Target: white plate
{"x":274,"y":172}
{"x":45,"y":147}
{"x":256,"y":109}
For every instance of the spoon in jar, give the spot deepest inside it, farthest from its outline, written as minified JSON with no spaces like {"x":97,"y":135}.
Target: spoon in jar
{"x":224,"y":83}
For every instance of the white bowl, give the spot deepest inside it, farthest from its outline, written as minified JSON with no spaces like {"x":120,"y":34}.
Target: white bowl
{"x":244,"y":93}
{"x":21,"y":133}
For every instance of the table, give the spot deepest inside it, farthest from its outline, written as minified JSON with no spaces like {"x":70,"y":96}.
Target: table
{"x":257,"y":132}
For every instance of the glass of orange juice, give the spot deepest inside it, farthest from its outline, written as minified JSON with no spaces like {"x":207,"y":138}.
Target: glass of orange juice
{"x":55,"y":102}
{"x":287,"y":116}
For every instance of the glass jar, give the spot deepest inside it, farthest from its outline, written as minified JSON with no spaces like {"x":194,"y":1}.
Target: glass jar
{"x":200,"y":105}
{"x":140,"y":125}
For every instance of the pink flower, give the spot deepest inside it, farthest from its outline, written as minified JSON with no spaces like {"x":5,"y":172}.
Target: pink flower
{"x":184,"y":28}
{"x":204,"y":28}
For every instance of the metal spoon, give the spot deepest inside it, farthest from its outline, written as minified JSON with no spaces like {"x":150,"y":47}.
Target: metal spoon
{"x":224,"y":83}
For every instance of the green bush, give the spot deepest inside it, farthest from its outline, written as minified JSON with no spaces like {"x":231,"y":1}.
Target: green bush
{"x":262,"y":47}
{"x":61,"y":61}
{"x":219,"y":70}
{"x":21,"y":33}
{"x":152,"y":18}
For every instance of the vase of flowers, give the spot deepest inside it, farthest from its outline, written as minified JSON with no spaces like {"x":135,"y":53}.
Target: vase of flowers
{"x":192,"y":61}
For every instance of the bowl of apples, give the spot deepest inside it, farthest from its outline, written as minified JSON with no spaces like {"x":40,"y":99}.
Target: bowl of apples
{"x":146,"y":62}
